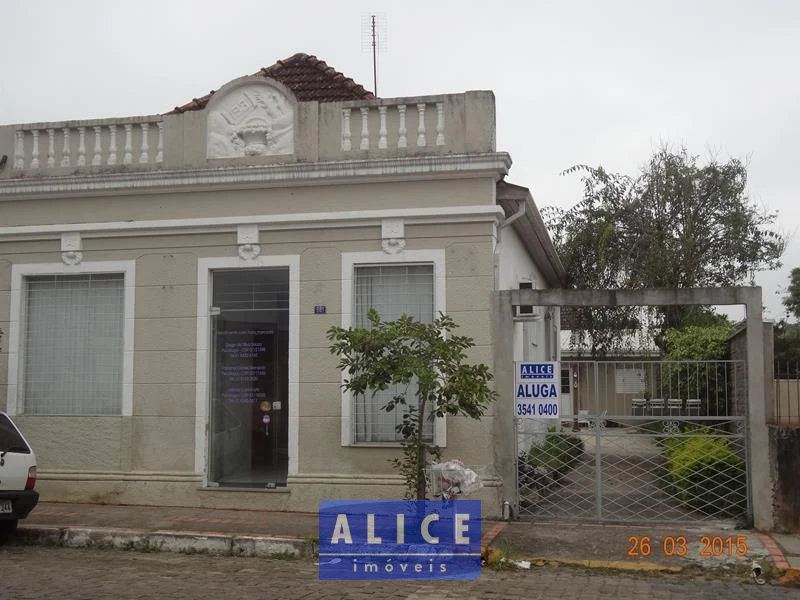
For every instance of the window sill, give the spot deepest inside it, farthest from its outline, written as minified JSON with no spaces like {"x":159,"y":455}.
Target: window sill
{"x":378,"y":444}
{"x":70,"y":415}
{"x":278,"y":490}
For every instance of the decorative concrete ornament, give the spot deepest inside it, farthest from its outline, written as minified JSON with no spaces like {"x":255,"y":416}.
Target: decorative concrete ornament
{"x":393,"y":236}
{"x":71,"y":248}
{"x":249,"y":251}
{"x":247,"y":236}
{"x":250,"y":118}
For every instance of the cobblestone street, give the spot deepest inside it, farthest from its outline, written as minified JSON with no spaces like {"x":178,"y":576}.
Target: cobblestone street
{"x":36,"y":573}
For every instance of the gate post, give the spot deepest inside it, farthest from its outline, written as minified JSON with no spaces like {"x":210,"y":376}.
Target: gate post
{"x":757,"y":413}
{"x":505,"y":435}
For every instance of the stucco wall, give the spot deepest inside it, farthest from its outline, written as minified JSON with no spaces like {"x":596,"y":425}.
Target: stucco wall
{"x":516,"y":264}
{"x":738,"y":349}
{"x":221,"y":203}
{"x":158,"y":439}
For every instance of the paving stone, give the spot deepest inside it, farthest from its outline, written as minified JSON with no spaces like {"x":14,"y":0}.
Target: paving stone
{"x":70,"y":574}
{"x":789,"y":543}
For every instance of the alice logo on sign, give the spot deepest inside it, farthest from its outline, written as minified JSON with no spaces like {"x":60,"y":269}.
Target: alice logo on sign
{"x":536,"y":371}
{"x":399,"y":540}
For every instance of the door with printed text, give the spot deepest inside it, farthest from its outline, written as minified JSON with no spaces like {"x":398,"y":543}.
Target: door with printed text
{"x":248,"y":424}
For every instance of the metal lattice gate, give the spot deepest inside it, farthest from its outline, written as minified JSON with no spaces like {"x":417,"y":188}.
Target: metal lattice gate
{"x":674,"y":449}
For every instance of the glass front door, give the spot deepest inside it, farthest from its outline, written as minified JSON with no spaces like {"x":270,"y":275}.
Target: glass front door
{"x":248,"y":433}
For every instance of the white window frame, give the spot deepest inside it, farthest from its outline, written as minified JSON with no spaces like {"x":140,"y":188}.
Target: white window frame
{"x":127,"y":268}
{"x":205,"y":267}
{"x":351,"y":260}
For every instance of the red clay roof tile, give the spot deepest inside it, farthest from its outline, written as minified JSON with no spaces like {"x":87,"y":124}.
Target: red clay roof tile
{"x":308,"y":77}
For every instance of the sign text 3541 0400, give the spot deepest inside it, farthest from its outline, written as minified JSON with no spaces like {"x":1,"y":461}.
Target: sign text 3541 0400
{"x":536,"y":387}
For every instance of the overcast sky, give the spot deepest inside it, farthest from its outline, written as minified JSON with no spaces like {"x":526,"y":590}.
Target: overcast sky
{"x":576,"y":82}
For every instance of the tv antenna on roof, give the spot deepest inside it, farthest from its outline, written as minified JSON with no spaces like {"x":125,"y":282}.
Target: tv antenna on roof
{"x":373,"y":39}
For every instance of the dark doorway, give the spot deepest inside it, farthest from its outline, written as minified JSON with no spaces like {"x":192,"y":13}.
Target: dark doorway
{"x":249,"y":377}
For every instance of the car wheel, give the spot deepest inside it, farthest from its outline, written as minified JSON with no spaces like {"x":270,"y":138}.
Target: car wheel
{"x":7,"y":529}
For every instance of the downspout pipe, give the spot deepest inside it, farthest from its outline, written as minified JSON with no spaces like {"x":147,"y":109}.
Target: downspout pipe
{"x":512,"y":501}
{"x":499,"y":241}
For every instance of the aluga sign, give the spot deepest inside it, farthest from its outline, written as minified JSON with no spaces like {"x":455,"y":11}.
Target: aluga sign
{"x":537,"y":390}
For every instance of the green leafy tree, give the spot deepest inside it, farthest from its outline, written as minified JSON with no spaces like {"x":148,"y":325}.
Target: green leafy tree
{"x":786,"y":350}
{"x":698,"y":342}
{"x":677,"y":224}
{"x":424,"y":358}
{"x":786,"y":333}
{"x":792,"y":299}
{"x":693,"y":366}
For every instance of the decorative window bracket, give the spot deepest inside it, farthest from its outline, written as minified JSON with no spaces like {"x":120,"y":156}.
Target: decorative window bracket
{"x":71,"y":248}
{"x":247,"y":238}
{"x":393,"y":236}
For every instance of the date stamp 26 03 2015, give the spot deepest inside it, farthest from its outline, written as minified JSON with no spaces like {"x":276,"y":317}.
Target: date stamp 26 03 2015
{"x":706,"y":546}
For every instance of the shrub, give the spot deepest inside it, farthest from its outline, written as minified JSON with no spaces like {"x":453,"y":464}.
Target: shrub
{"x":671,"y":442}
{"x":706,"y":474}
{"x":558,"y":453}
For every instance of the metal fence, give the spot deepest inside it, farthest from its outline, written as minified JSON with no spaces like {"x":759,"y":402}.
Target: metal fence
{"x":638,"y":470}
{"x":639,"y":442}
{"x":654,"y":388}
{"x":786,"y":399}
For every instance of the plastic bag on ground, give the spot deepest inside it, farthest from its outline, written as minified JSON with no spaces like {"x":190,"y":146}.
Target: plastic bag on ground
{"x":454,"y":475}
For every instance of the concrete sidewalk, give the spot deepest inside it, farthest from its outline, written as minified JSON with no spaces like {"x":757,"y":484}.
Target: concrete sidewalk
{"x":280,"y":534}
{"x":170,"y":529}
{"x":789,"y":546}
{"x":629,"y":547}
{"x":715,"y":550}
{"x":208,"y":520}
{"x":173,"y":529}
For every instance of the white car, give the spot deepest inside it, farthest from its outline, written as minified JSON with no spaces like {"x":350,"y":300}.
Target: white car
{"x":17,"y":477}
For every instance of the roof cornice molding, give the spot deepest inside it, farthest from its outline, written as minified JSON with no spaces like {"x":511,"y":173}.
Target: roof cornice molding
{"x":533,"y":231}
{"x":494,"y":164}
{"x":489,"y":213}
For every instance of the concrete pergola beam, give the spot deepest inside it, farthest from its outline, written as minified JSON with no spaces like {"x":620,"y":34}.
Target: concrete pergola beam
{"x":646,"y":297}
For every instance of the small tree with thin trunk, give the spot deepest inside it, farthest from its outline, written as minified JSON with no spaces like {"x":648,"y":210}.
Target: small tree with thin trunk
{"x":423,"y":360}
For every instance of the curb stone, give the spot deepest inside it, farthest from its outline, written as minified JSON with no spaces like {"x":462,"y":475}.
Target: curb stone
{"x":163,"y":541}
{"x":489,"y":552}
{"x":618,"y":565}
{"x":775,"y":554}
{"x":789,"y":576}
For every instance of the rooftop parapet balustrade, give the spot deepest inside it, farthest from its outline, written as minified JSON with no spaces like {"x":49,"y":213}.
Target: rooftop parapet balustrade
{"x":254,"y":121}
{"x":62,"y":147}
